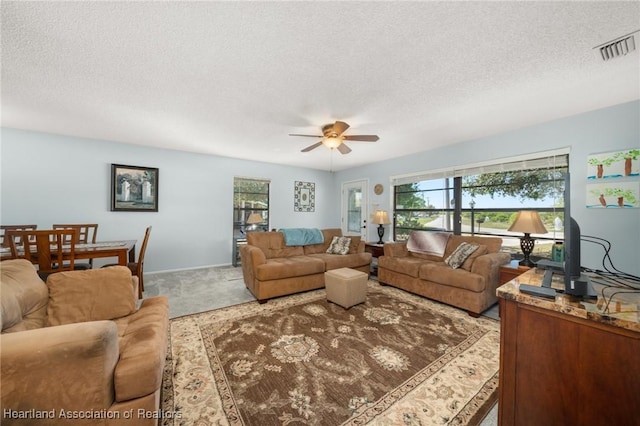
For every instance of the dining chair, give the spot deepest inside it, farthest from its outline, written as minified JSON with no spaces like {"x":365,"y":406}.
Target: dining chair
{"x":4,"y":228}
{"x":137,"y":267}
{"x":86,"y":235}
{"x":46,"y":248}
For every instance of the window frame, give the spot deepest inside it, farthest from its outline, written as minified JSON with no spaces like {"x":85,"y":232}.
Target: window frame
{"x":242,"y":213}
{"x":455,"y":211}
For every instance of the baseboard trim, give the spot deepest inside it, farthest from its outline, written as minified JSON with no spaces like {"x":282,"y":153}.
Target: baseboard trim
{"x":164,"y":271}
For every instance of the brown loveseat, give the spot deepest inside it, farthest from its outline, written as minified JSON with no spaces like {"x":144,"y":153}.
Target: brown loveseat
{"x":271,"y":268}
{"x":79,"y":347}
{"x":471,"y":287}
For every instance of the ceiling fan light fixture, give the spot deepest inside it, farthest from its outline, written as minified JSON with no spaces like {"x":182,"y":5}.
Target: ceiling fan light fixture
{"x":332,"y":142}
{"x":333,"y":138}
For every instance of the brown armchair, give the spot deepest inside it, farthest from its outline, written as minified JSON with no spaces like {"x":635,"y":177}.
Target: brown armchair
{"x":81,"y":344}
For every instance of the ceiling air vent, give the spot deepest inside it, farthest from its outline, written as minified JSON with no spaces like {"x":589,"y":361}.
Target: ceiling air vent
{"x":618,"y":47}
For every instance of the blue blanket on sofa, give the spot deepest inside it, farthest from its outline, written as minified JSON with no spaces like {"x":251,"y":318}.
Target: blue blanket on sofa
{"x":302,"y":236}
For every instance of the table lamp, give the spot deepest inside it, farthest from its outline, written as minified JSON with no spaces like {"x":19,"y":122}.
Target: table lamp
{"x":381,"y":218}
{"x":527,"y":222}
{"x":254,"y":219}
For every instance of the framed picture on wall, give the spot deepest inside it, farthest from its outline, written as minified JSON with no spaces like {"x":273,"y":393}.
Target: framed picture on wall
{"x":304,"y":197}
{"x":134,"y":188}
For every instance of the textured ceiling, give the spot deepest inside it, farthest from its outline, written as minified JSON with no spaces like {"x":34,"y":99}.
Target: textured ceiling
{"x":235,"y":78}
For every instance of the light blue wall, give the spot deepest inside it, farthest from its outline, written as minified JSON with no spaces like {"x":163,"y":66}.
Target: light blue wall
{"x":608,"y":129}
{"x":50,"y":179}
{"x":47,"y":178}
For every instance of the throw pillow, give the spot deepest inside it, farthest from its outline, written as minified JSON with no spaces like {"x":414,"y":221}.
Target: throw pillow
{"x":339,"y":245}
{"x":460,"y":254}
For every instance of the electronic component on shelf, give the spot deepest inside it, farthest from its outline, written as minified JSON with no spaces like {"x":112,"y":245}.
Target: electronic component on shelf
{"x":547,"y":264}
{"x":534,"y":290}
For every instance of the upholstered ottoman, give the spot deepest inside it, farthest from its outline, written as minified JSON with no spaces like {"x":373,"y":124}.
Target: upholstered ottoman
{"x":346,"y":287}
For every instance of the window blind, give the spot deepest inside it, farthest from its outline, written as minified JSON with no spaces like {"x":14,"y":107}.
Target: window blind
{"x":548,"y":159}
{"x":263,"y":180}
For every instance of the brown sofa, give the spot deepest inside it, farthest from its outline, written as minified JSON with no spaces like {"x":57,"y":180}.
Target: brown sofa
{"x":471,"y":287}
{"x":79,"y":347}
{"x":271,"y":268}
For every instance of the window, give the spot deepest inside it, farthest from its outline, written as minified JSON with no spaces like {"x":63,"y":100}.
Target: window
{"x":250,"y":205}
{"x":426,"y":205}
{"x":484,"y":199}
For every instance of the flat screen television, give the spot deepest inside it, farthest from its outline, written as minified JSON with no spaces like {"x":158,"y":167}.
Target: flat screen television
{"x":575,"y":282}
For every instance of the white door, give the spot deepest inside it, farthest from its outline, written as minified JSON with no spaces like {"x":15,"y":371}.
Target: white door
{"x":354,"y":208}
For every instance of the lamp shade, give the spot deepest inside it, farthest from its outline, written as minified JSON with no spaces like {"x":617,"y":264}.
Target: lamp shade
{"x":254,"y":218}
{"x":528,"y":222}
{"x":381,"y":218}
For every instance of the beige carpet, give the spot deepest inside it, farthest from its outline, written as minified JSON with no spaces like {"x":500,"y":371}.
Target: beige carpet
{"x":396,"y":359}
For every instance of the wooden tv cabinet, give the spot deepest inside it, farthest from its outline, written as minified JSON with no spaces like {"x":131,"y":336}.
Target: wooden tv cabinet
{"x":564,"y":363}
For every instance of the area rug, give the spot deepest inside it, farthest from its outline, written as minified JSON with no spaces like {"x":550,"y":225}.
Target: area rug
{"x":397,"y":359}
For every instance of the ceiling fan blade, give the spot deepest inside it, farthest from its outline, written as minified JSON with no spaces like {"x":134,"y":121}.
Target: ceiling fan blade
{"x":344,"y":149}
{"x":362,"y":138}
{"x":310,"y":147}
{"x":307,"y":136}
{"x":339,"y":127}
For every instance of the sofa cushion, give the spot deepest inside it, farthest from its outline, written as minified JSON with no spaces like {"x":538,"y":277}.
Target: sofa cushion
{"x":494,"y":244}
{"x":355,"y":244}
{"x":442,"y":273}
{"x":287,"y":267}
{"x":339,"y":245}
{"x":272,"y":244}
{"x":91,"y":295}
{"x":429,"y":257}
{"x":24,"y":296}
{"x":70,"y":366}
{"x":460,"y":254}
{"x":143,"y":344}
{"x":408,"y":265}
{"x":328,"y":235}
{"x":351,"y":260}
{"x":468,"y":263}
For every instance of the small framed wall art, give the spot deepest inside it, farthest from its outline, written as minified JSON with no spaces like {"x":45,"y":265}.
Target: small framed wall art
{"x":613,"y":179}
{"x":304,"y":197}
{"x":134,"y":188}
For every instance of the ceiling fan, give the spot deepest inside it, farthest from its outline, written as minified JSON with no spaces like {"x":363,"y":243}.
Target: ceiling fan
{"x":333,"y":137}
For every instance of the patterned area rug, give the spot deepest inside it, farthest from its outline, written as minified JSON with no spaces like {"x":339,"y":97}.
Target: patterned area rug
{"x":396,"y":359}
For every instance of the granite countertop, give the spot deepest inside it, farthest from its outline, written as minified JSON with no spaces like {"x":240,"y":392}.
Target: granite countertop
{"x":622,"y":310}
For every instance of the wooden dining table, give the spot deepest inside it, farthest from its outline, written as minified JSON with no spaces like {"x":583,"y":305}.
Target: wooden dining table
{"x":123,"y":250}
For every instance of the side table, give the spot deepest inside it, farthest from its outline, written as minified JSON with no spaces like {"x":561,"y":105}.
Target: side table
{"x":511,"y":270}
{"x":235,"y":250}
{"x":376,"y":251}
{"x":566,"y":349}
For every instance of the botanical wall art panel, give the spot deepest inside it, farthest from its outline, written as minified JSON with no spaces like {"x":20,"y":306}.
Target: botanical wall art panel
{"x":615,"y":164}
{"x":614,"y":194}
{"x":613,"y":179}
{"x":304,"y":197}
